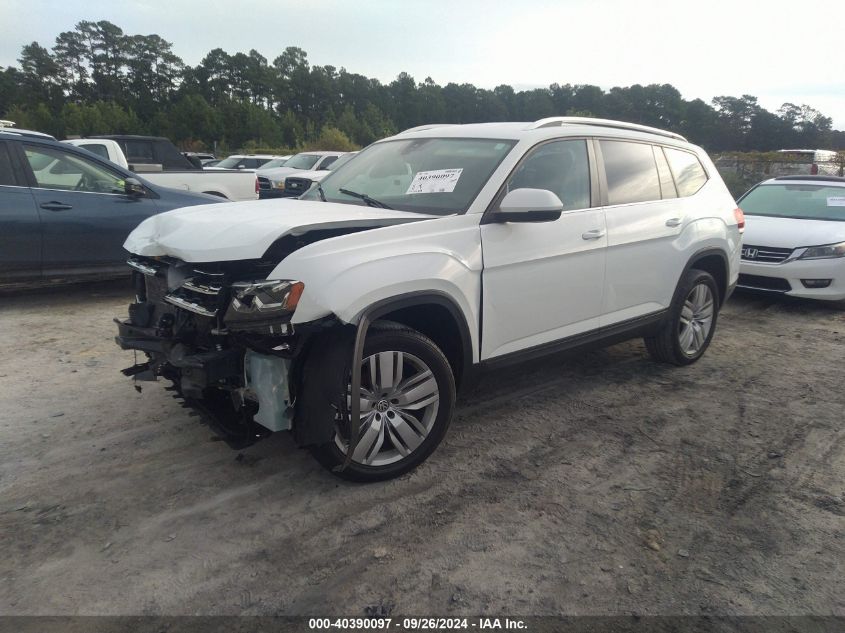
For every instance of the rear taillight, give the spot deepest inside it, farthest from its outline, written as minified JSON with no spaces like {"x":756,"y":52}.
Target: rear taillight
{"x":256,"y":186}
{"x":740,"y":219}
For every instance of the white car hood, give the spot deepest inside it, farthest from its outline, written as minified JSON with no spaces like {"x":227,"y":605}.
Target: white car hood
{"x":245,"y":230}
{"x":791,"y":232}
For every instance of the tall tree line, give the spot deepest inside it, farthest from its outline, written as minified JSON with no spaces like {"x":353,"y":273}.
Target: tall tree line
{"x":98,"y":79}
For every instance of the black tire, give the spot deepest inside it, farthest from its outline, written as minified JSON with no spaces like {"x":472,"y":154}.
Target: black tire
{"x":384,"y":337}
{"x":665,"y":345}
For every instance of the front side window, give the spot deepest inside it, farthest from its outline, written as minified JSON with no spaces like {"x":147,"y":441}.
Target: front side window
{"x":439,"y":176}
{"x":631,"y":172}
{"x":54,"y":169}
{"x":795,"y":200}
{"x":328,"y":161}
{"x":561,"y":167}
{"x":689,"y":174}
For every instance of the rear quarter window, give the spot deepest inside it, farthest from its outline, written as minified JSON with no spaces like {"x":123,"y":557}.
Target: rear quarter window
{"x":631,"y":172}
{"x":687,"y":170}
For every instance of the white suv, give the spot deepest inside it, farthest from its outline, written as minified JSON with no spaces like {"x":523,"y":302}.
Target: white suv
{"x":433,"y":254}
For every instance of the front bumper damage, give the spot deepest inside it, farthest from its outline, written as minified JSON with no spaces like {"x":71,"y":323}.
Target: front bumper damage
{"x":241,"y":374}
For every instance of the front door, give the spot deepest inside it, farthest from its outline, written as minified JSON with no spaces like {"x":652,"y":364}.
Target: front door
{"x":85,"y":213}
{"x":543,"y":282}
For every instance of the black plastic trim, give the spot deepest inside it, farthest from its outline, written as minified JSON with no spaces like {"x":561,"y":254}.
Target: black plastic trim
{"x":600,"y":337}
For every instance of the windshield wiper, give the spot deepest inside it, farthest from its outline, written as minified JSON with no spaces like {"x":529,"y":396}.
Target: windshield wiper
{"x":370,"y":202}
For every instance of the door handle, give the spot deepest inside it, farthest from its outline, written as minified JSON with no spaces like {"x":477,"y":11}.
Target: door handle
{"x":674,"y":221}
{"x":593,"y":235}
{"x":56,"y":206}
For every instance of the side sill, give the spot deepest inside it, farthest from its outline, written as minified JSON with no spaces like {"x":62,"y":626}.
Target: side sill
{"x":601,"y":337}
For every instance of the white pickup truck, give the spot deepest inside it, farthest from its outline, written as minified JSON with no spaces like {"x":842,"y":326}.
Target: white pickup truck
{"x":235,"y":185}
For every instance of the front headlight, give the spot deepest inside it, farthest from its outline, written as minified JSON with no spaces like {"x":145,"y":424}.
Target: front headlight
{"x":824,"y":252}
{"x":260,"y":303}
{"x":278,"y":184}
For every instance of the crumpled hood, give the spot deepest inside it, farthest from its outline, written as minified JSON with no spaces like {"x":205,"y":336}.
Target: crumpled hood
{"x":761,"y":230}
{"x":245,"y":230}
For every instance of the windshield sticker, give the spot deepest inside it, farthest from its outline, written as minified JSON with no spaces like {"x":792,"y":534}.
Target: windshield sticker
{"x":836,"y":201}
{"x":437,"y":181}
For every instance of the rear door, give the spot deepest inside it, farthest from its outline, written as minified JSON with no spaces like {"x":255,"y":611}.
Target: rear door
{"x":85,"y":214}
{"x":20,"y":226}
{"x":645,"y":218}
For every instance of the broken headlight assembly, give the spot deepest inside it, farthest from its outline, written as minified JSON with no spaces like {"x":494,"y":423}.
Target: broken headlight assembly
{"x":263,"y":305}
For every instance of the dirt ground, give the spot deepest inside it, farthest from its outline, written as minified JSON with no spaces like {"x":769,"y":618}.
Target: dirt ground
{"x":591,"y":484}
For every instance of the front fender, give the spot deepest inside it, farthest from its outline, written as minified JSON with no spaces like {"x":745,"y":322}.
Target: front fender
{"x":345,"y":275}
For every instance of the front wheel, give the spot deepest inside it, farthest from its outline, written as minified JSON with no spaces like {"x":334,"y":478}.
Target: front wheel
{"x":689,"y":327}
{"x":407,"y":398}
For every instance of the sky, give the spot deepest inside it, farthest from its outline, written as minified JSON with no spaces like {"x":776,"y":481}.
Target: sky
{"x":776,"y":50}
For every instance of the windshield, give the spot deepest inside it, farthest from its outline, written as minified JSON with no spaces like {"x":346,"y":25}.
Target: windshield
{"x":302,"y":161}
{"x":229,"y":163}
{"x":429,"y":175}
{"x":276,"y":162}
{"x":808,"y":202}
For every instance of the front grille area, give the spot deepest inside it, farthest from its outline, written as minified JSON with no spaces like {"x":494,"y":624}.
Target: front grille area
{"x":264,"y":183}
{"x":765,"y":254}
{"x":297,"y":185}
{"x":759,"y":282}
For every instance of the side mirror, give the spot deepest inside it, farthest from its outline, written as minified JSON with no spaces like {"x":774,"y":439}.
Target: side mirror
{"x":134,"y":188}
{"x":528,"y":205}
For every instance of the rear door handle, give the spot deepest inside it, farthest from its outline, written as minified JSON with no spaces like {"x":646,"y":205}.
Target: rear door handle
{"x":674,"y":221}
{"x":56,"y":206}
{"x":593,"y":235}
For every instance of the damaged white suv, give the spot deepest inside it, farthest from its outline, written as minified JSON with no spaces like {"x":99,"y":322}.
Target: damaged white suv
{"x":351,"y":316}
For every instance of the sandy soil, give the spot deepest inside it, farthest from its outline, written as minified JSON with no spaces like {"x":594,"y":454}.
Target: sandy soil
{"x":591,"y":484}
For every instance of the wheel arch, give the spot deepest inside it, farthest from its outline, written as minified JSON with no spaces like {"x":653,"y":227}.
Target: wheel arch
{"x":714,"y":261}
{"x":434,"y":314}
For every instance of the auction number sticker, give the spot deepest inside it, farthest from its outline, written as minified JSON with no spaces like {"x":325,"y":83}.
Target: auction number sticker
{"x":437,"y":181}
{"x":836,"y":201}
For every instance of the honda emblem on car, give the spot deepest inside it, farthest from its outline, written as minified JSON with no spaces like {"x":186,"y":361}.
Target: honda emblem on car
{"x":749,"y":253}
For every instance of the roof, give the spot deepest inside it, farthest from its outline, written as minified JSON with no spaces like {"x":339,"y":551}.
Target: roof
{"x":132,"y":137}
{"x":28,"y":133}
{"x":549,"y":127}
{"x":807,"y":179}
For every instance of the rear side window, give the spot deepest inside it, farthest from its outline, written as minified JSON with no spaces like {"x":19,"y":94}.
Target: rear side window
{"x":327,"y":161}
{"x":689,"y":174}
{"x":139,"y":152}
{"x":7,"y":175}
{"x":631,"y":172}
{"x":667,"y":185}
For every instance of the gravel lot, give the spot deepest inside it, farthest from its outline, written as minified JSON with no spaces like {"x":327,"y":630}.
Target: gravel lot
{"x":591,"y":484}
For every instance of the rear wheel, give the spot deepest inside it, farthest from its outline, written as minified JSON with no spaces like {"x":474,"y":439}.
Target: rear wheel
{"x":689,"y":327}
{"x":407,"y":398}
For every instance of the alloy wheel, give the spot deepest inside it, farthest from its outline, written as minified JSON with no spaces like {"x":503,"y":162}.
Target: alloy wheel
{"x":696,"y":319}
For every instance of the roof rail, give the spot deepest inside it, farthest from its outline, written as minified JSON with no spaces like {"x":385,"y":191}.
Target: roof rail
{"x":6,"y":123}
{"x":579,"y":120}
{"x":428,"y":126}
{"x":811,"y":177}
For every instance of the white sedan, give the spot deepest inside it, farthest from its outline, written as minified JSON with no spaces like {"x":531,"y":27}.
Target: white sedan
{"x":794,"y":240}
